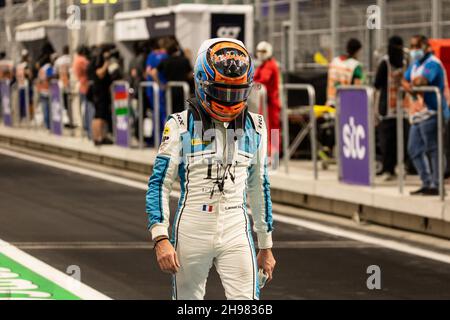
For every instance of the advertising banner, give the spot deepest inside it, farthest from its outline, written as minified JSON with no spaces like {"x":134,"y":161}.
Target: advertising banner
{"x":56,"y":107}
{"x":121,"y":114}
{"x":354,"y":137}
{"x":5,"y":95}
{"x":228,"y":26}
{"x":161,"y":25}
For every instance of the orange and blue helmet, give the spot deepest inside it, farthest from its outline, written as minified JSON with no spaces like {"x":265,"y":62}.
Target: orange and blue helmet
{"x":223,"y":75}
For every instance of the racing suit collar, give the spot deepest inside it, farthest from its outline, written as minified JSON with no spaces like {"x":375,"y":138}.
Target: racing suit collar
{"x":207,"y":123}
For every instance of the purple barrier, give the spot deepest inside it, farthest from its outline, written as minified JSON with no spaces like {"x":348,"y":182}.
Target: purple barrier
{"x":121,"y":114}
{"x":355,"y":133}
{"x":56,"y":109}
{"x":5,"y":96}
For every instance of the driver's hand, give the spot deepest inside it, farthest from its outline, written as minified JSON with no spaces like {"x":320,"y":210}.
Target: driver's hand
{"x":267,"y":262}
{"x":167,"y":257}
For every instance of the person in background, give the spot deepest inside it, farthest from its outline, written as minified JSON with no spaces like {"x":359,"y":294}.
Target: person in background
{"x":62,"y":70}
{"x":46,"y":51}
{"x":388,"y":81}
{"x":344,"y":70}
{"x":137,"y":68}
{"x":80,"y":70}
{"x":101,"y":97}
{"x":268,"y":74}
{"x":176,"y":68}
{"x":425,"y":70}
{"x":24,"y":82}
{"x":6,"y":67}
{"x":156,"y":56}
{"x":45,"y":75}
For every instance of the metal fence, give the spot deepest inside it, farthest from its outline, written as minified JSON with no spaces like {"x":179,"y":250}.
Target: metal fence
{"x":56,"y":119}
{"x":298,"y":28}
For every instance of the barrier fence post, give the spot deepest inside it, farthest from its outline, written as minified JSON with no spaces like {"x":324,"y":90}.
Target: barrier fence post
{"x":262,"y":99}
{"x":121,"y":113}
{"x":82,"y":116}
{"x":400,"y":143}
{"x":285,"y":128}
{"x":56,"y":108}
{"x":27,"y":102}
{"x":440,"y":140}
{"x":156,"y":114}
{"x":70,"y":111}
{"x":36,"y":103}
{"x":141,"y":115}
{"x":176,"y":84}
{"x":440,"y":145}
{"x":5,"y":97}
{"x":15,"y":104}
{"x":356,"y":154}
{"x":288,"y":150}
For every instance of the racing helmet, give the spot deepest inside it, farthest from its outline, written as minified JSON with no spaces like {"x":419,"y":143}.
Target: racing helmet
{"x":223,"y":75}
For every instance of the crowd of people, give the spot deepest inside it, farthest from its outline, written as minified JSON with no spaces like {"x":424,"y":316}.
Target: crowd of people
{"x":407,"y":68}
{"x":93,"y":70}
{"x":162,"y":60}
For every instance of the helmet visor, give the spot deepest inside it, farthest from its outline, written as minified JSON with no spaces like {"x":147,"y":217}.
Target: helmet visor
{"x":227,"y":92}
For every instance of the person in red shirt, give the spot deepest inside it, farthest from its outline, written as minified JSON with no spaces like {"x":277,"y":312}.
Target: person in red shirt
{"x":268,"y":74}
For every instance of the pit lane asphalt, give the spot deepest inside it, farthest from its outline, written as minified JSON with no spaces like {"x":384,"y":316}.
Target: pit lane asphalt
{"x":64,"y":218}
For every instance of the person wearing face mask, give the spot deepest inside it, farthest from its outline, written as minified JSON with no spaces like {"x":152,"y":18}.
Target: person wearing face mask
{"x":388,"y":81}
{"x":268,"y":74}
{"x":425,"y":70}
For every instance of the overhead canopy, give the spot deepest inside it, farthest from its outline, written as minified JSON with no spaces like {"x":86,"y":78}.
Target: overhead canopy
{"x":190,"y":23}
{"x":39,"y":30}
{"x":96,"y":32}
{"x":35,"y":35}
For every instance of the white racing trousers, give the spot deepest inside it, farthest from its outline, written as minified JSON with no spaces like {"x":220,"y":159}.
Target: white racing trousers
{"x":223,"y":238}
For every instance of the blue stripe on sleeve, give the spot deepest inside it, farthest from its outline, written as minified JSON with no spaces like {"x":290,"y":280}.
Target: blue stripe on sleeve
{"x":267,"y":200}
{"x":154,"y":205}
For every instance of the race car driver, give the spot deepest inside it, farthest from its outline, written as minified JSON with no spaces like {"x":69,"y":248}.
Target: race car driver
{"x":219,"y":152}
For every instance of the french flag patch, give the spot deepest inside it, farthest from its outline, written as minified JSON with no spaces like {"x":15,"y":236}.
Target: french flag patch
{"x":207,"y":208}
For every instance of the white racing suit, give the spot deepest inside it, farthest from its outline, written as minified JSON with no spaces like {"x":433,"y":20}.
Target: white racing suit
{"x":211,"y":224}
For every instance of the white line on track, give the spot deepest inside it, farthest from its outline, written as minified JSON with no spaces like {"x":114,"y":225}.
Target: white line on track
{"x":390,"y":244}
{"x":148,"y":246}
{"x":61,"y":279}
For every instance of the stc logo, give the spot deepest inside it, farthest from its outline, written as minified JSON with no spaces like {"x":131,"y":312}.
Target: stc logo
{"x":228,"y":32}
{"x":353,"y":136}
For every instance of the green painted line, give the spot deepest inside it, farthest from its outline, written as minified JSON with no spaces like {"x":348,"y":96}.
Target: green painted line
{"x":18,"y":282}
{"x":122,"y":111}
